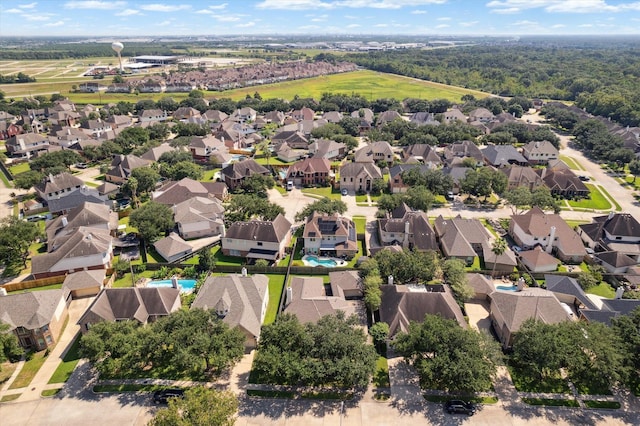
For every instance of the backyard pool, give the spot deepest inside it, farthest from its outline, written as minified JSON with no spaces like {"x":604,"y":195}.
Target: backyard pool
{"x":507,"y":287}
{"x":186,"y":286}
{"x":327,"y":262}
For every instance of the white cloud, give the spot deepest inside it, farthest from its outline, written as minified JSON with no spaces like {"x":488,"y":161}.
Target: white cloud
{"x":12,"y":11}
{"x":524,"y":23}
{"x":558,"y":26}
{"x":219,"y":6}
{"x":227,"y":18}
{"x":444,"y":18}
{"x":560,"y":6}
{"x":309,"y":27}
{"x":442,"y":26}
{"x":128,"y":12}
{"x":333,"y":4}
{"x":164,"y":23}
{"x":27,"y":6}
{"x":354,"y":26}
{"x":94,"y":4}
{"x":468,"y":24}
{"x":418,"y":12}
{"x":381,"y":25}
{"x":157,"y":7}
{"x":38,"y":18}
{"x":55,"y":24}
{"x":247,"y":25}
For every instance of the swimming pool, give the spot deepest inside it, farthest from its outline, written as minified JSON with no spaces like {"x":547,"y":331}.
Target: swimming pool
{"x":507,"y":287}
{"x":186,"y":286}
{"x":327,"y":262}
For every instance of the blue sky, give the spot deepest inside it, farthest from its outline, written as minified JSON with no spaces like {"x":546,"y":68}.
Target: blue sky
{"x":123,"y":18}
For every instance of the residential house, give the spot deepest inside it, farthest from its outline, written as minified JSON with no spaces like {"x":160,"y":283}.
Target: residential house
{"x":151,"y":115}
{"x":424,"y":119}
{"x":66,"y":203}
{"x":307,"y":299}
{"x":549,"y":231}
{"x":482,"y":115}
{"x":215,"y":116}
{"x":182,"y":86}
{"x":332,"y":116}
{"x":185,"y":113}
{"x":614,"y":262}
{"x":454,"y":114}
{"x":407,"y":228}
{"x":85,"y":249}
{"x":26,"y":145}
{"x":87,"y":215}
{"x":503,"y":156}
{"x":567,"y":290}
{"x":275,"y":117}
{"x":203,"y":148}
{"x":396,"y":184}
{"x":243,"y":115}
{"x":258,"y":239}
{"x":457,"y":174}
{"x":199,"y":217}
{"x":303,"y":114}
{"x":358,"y":177}
{"x":522,"y":176}
{"x":294,"y":138}
{"x":563,"y":182}
{"x":611,"y":308}
{"x":421,"y":153}
{"x":538,"y":260}
{"x":60,"y":185}
{"x":96,"y":128}
{"x":402,"y":304}
{"x":346,"y":284}
{"x":482,"y":286}
{"x":375,"y":152}
{"x":331,"y":235}
{"x":35,"y":317}
{"x":462,"y":150}
{"x":93,"y":87}
{"x":509,"y":310}
{"x":540,"y":152}
{"x":309,"y":172}
{"x":9,"y":130}
{"x":240,"y":301}
{"x":122,"y":166}
{"x":235,"y":173}
{"x":387,"y":117}
{"x":151,"y":86}
{"x":155,"y":153}
{"x":172,"y":192}
{"x":323,"y":148}
{"x":365,"y":114}
{"x":142,"y":304}
{"x":84,"y":283}
{"x":615,"y":232}
{"x":172,"y":248}
{"x":288,"y":154}
{"x":466,"y":239}
{"x":119,"y":88}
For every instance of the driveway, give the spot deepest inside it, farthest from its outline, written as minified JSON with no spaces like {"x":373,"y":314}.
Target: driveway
{"x":478,"y":313}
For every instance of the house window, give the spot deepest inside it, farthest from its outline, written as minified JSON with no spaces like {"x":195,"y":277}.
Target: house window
{"x":259,"y":243}
{"x":22,"y":330}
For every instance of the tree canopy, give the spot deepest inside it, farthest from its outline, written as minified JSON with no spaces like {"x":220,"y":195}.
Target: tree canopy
{"x":199,"y":407}
{"x":153,"y":220}
{"x":244,"y":207}
{"x":9,"y":346}
{"x":324,"y":205}
{"x":16,"y":236}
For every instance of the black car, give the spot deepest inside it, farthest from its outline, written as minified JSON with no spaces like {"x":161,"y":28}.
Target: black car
{"x":456,"y":406}
{"x":162,"y":396}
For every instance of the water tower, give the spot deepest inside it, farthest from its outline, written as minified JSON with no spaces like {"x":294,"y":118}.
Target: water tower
{"x":117,"y":46}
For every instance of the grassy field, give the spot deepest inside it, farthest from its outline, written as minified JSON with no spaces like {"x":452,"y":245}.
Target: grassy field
{"x":596,"y":202}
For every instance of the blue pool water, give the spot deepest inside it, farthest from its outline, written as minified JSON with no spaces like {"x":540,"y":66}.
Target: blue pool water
{"x":327,"y":263}
{"x":507,"y":288}
{"x":186,"y":286}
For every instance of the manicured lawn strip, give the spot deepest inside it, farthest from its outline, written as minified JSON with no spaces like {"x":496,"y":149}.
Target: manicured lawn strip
{"x":613,"y":405}
{"x":475,"y":266}
{"x":8,"y":398}
{"x":29,"y":370}
{"x":327,"y":192}
{"x":573,"y":164}
{"x":209,"y":174}
{"x":221,"y":259}
{"x":68,"y":364}
{"x":381,"y":376}
{"x":603,"y":289}
{"x":272,"y":161}
{"x":361,"y":223}
{"x":129,"y":228}
{"x":613,"y":200}
{"x":6,"y":182}
{"x":551,"y":402}
{"x":352,"y":262}
{"x":7,"y":370}
{"x":361,"y":198}
{"x":474,"y":399}
{"x":597,"y":200}
{"x":46,"y":287}
{"x":574,"y":223}
{"x":50,"y":392}
{"x":340,"y":396}
{"x":270,"y":394}
{"x":276,"y":283}
{"x":19,"y":168}
{"x":125,"y":280}
{"x":524,"y":382}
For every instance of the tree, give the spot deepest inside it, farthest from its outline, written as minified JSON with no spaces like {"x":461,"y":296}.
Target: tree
{"x":131,"y":138}
{"x":28,"y":179}
{"x":542,"y":198}
{"x":324,"y":205}
{"x":199,"y":406}
{"x":181,"y":170}
{"x":518,"y":197}
{"x":174,"y":157}
{"x":153,"y":220}
{"x":246,"y":206}
{"x":389,"y":202}
{"x":372,"y":292}
{"x":16,"y":236}
{"x":407,"y":266}
{"x":257,"y":184}
{"x":456,"y":276}
{"x":447,"y":356}
{"x":147,"y":178}
{"x":206,"y":261}
{"x":379,"y":333}
{"x":634,"y":168}
{"x":54,"y":160}
{"x":9,"y":347}
{"x":498,"y":247}
{"x":627,"y":328}
{"x":419,"y":198}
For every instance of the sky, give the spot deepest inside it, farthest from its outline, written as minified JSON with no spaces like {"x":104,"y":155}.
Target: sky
{"x":95,"y":18}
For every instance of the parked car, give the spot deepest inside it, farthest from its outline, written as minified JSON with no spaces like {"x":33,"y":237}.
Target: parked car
{"x":163,"y":396}
{"x":456,"y":406}
{"x":289,"y":185}
{"x":584,"y":178}
{"x":450,"y":196}
{"x":81,"y":165}
{"x":36,"y":218}
{"x":517,"y":249}
{"x":344,"y":191}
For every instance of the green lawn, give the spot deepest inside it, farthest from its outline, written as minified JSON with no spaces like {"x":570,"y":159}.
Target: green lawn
{"x":19,"y":168}
{"x":46,"y":287}
{"x":325,"y":192}
{"x":221,"y":259}
{"x":29,"y":370}
{"x":613,"y":200}
{"x":596,"y":202}
{"x":475,"y":399}
{"x":551,"y":402}
{"x":50,"y":392}
{"x":8,"y":398}
{"x":612,"y":405}
{"x":573,"y":164}
{"x":125,"y":221}
{"x":68,"y":364}
{"x":603,"y":290}
{"x":381,"y":376}
{"x":361,"y":198}
{"x":6,"y":370}
{"x":276,"y":283}
{"x":525,"y":382}
{"x":125,"y":280}
{"x":361,"y":223}
{"x":209,"y":174}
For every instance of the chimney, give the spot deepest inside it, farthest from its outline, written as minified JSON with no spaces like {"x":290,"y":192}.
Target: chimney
{"x":611,"y":215}
{"x":552,"y":236}
{"x":288,"y":296}
{"x":3,"y":291}
{"x":390,"y":280}
{"x":244,"y":271}
{"x":174,"y":282}
{"x":619,"y":292}
{"x":65,"y":222}
{"x":405,"y":242}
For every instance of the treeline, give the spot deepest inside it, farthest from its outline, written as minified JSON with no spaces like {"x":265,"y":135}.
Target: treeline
{"x":16,"y":78}
{"x":85,"y":50}
{"x":602,"y":80}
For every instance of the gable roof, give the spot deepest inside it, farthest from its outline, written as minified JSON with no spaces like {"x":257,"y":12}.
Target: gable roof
{"x":563,"y":180}
{"x":139,"y":303}
{"x":480,"y":283}
{"x":87,"y":214}
{"x":517,"y":307}
{"x":342,"y":281}
{"x":567,"y":285}
{"x":31,"y":310}
{"x":537,"y":223}
{"x":537,"y":257}
{"x":310,"y":165}
{"x":400,"y":306}
{"x":173,"y":192}
{"x":57,"y":183}
{"x":502,"y":155}
{"x":243,"y":296}
{"x":309,"y":301}
{"x":458,"y":234}
{"x":356,"y":169}
{"x":84,"y":279}
{"x":171,"y":245}
{"x":244,"y":169}
{"x":540,"y":147}
{"x":615,"y":258}
{"x":259,"y":230}
{"x":619,"y":225}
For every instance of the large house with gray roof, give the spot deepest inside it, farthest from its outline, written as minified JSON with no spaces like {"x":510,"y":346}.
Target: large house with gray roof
{"x":142,"y":304}
{"x":176,"y":192}
{"x":407,"y":228}
{"x":35,"y":317}
{"x":199,"y":217}
{"x":331,"y":235}
{"x":258,"y":239}
{"x":238,"y":300}
{"x":235,"y":173}
{"x":359,"y":176}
